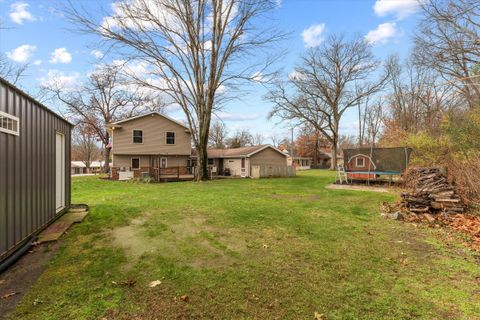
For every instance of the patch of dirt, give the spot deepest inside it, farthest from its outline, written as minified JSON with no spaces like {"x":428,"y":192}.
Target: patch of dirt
{"x":310,"y":197}
{"x":20,"y":277}
{"x":356,"y":187}
{"x":213,"y":247}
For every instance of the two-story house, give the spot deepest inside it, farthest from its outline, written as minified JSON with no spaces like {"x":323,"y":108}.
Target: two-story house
{"x":149,"y":144}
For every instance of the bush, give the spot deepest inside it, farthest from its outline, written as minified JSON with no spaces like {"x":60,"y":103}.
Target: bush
{"x":457,"y":148}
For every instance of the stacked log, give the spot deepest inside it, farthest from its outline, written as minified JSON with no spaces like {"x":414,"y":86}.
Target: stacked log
{"x":431,"y":192}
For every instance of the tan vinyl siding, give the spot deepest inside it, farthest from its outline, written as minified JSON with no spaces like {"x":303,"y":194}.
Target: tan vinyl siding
{"x":154,"y":129}
{"x":268,"y":156}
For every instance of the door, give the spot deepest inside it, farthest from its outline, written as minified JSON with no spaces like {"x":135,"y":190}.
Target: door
{"x":59,"y":171}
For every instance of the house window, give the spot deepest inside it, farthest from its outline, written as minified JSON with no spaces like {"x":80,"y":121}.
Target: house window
{"x":211,"y":162}
{"x":243,"y":163}
{"x":163,"y":162}
{"x":360,"y":162}
{"x":137,"y":136}
{"x":170,"y":137}
{"x":9,"y":124}
{"x":135,"y":163}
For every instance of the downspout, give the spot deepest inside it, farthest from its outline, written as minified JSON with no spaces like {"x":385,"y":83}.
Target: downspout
{"x":4,"y":265}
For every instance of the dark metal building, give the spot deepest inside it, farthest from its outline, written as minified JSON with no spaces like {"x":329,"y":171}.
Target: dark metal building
{"x":34,"y":167}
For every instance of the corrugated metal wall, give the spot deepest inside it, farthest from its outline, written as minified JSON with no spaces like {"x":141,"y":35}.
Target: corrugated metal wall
{"x":27,"y":168}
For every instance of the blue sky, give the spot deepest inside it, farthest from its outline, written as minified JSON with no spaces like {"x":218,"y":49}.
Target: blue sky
{"x":34,"y":31}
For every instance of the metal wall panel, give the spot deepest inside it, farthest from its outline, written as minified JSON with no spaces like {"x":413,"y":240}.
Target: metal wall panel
{"x":27,"y":168}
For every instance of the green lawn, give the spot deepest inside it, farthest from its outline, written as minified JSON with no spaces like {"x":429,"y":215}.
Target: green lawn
{"x":243,"y":249}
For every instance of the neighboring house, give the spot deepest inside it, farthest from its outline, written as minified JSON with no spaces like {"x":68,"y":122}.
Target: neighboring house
{"x":301,"y":163}
{"x":148,"y":145}
{"x":242,"y":162}
{"x":79,"y":167}
{"x":34,"y":168}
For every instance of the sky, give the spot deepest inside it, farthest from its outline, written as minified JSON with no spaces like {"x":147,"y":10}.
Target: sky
{"x":35,"y":32}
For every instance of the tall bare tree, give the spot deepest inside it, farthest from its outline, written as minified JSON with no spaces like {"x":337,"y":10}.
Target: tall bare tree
{"x":330,"y":79}
{"x":240,"y":138}
{"x":218,"y":135}
{"x":195,"y":49}
{"x":416,"y":102}
{"x":85,"y":145}
{"x":374,"y":120}
{"x":103,"y":98}
{"x":448,"y":41}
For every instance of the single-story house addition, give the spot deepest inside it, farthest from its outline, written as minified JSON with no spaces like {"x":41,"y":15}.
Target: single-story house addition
{"x":249,"y":162}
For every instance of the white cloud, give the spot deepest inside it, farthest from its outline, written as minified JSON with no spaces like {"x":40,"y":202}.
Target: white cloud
{"x":382,"y":33}
{"x":97,"y":53}
{"x":313,"y":36}
{"x":61,"y":55}
{"x":228,"y":116}
{"x":22,"y":53}
{"x":295,"y":75}
{"x":400,"y":8}
{"x":19,"y":12}
{"x":278,"y":3}
{"x":258,"y":77}
{"x":37,"y":62}
{"x":57,"y":79}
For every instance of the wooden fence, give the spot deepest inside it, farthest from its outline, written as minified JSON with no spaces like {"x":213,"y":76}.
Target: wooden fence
{"x":266,"y":171}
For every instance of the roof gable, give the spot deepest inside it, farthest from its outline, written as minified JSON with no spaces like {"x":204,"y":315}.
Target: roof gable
{"x":241,"y":152}
{"x":149,"y":114}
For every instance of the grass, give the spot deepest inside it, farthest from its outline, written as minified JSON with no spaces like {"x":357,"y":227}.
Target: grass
{"x":244,"y":249}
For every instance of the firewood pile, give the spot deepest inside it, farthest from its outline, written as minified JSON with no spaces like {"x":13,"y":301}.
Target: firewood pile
{"x":431,"y":199}
{"x":431,"y":192}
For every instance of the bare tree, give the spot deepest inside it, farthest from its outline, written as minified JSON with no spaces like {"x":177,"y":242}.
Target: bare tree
{"x":374,"y":120}
{"x":105,"y":97}
{"x":416,"y":102}
{"x":218,"y":135}
{"x":194,"y":48}
{"x":258,"y":139}
{"x":331,"y":79}
{"x":10,"y":71}
{"x":85,"y":145}
{"x":241,"y":138}
{"x":448,"y":41}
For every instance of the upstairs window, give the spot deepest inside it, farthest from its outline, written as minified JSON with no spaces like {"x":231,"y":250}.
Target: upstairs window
{"x":137,"y":136}
{"x":9,"y":124}
{"x":170,"y":137}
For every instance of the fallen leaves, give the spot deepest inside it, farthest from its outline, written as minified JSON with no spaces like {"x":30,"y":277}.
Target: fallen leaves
{"x":319,"y":316}
{"x":155,"y":283}
{"x":8,"y":295}
{"x":184,"y":298}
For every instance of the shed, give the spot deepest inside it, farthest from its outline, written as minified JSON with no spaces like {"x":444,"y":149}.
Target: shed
{"x":34,"y":167}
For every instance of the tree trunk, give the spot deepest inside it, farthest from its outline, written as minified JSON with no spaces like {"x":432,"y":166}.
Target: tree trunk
{"x":202,"y":163}
{"x":106,"y":158}
{"x":334,"y":150}
{"x":315,"y":155}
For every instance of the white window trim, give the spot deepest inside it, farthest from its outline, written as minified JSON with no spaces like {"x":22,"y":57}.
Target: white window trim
{"x":143,"y":136}
{"x":131,"y":163}
{"x":9,"y":116}
{"x":363,"y":162}
{"x":174,"y":138}
{"x":166,"y":162}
